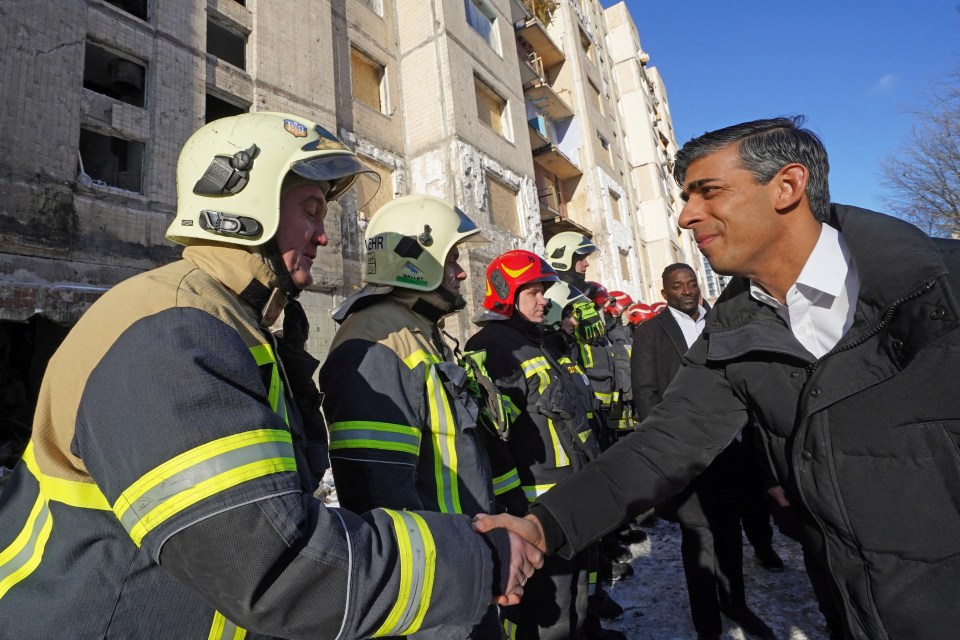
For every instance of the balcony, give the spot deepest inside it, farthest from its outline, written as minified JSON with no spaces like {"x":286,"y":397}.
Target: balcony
{"x":534,"y":33}
{"x":544,"y":143}
{"x":542,"y":96}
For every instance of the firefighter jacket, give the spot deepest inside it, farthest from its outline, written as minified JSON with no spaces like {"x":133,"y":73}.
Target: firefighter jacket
{"x":163,"y":494}
{"x":552,"y":435}
{"x":621,"y":343}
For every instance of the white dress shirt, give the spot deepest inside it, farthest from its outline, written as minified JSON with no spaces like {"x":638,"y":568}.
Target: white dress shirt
{"x":691,"y":328}
{"x":821,"y":303}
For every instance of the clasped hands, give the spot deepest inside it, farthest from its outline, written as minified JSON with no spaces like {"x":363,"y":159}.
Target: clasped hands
{"x":527,"y":546}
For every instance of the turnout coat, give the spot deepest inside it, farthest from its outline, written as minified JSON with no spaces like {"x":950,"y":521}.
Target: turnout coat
{"x":864,"y":439}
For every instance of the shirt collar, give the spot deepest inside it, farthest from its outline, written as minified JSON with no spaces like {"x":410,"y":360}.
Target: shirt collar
{"x":825,"y":270}
{"x":680,"y":315}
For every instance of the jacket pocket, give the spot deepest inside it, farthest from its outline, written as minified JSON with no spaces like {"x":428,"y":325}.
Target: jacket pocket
{"x":942,"y":440}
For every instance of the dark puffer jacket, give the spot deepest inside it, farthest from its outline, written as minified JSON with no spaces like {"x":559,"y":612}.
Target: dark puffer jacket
{"x":865,"y":439}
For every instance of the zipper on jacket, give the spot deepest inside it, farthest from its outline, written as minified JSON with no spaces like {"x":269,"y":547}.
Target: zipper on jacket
{"x":871,"y":331}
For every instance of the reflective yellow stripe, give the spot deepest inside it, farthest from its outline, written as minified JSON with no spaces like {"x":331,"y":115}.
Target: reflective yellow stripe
{"x":510,"y":628}
{"x":586,"y":356}
{"x":511,"y":410}
{"x":223,"y":629}
{"x":418,"y":558}
{"x":419,"y":356}
{"x":442,"y":434}
{"x":558,"y":453}
{"x":536,"y":490}
{"x":23,"y":555}
{"x":263,"y":355}
{"x":540,"y":367}
{"x":85,"y":495}
{"x":604,"y":398}
{"x":200,"y":473}
{"x":506,"y":482}
{"x":367,"y":434}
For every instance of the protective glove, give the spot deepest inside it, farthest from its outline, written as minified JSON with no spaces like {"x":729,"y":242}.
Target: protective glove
{"x":589,"y":327}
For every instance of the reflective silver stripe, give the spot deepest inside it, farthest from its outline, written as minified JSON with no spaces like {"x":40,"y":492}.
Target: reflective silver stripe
{"x":223,"y":629}
{"x":417,"y":559}
{"x":197,"y":473}
{"x":360,"y":434}
{"x":509,"y":480}
{"x":20,"y":559}
{"x":444,"y":447}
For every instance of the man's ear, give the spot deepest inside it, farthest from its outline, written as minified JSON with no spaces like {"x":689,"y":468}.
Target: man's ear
{"x":791,"y":182}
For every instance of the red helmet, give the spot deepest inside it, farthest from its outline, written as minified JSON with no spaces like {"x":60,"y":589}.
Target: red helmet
{"x":616,"y":303}
{"x":658,"y":307}
{"x":510,"y":271}
{"x":639,"y":312}
{"x":597,"y":293}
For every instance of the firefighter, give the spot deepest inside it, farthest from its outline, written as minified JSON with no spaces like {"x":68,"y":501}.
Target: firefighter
{"x":550,"y":438}
{"x":596,"y":358}
{"x":568,"y":253}
{"x":621,"y":341}
{"x":637,"y":314}
{"x":165,"y":492}
{"x":403,"y":425}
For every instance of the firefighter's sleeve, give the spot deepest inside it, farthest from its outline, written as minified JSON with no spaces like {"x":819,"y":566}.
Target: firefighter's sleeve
{"x":191,"y":448}
{"x":373,"y":403}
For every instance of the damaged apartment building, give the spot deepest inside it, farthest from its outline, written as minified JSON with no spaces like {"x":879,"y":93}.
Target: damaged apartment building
{"x":533,"y":116}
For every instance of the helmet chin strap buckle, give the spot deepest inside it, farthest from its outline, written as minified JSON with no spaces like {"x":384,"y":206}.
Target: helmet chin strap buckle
{"x":229,"y":224}
{"x":227,"y":175}
{"x":425,"y":239}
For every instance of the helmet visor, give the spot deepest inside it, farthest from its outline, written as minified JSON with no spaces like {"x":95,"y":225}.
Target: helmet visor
{"x":341,"y":171}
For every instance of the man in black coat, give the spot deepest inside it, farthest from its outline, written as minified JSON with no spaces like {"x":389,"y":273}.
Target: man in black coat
{"x":840,"y":334}
{"x":708,"y":510}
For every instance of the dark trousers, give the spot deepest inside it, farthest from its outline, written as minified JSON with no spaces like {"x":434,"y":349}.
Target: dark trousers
{"x":713,"y":567}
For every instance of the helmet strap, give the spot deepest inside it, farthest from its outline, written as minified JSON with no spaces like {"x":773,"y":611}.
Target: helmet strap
{"x":457,"y":301}
{"x":271,"y":255}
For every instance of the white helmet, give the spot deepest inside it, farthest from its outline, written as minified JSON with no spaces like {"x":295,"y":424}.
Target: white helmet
{"x":559,"y":296}
{"x":230,"y":173}
{"x":562,"y":247}
{"x":408,"y":240}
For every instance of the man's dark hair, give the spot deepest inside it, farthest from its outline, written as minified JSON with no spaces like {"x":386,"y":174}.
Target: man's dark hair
{"x":676,"y":266}
{"x":765,"y":147}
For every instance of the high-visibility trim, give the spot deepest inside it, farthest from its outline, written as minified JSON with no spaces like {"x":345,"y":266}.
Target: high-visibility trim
{"x":418,"y":559}
{"x":223,"y":629}
{"x":559,"y":455}
{"x":534,"y":491}
{"x":592,"y":583}
{"x":420,"y":356}
{"x":586,"y":356}
{"x":510,"y":409}
{"x":263,"y":355}
{"x":25,"y":552}
{"x":85,"y":495}
{"x":367,"y":434}
{"x":584,"y":435}
{"x":199,"y":473}
{"x":537,"y":366}
{"x":510,"y":628}
{"x":604,"y":398}
{"x":506,"y":482}
{"x":442,"y":437}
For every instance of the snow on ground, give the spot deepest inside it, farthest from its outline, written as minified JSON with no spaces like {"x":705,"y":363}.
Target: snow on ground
{"x":655,"y":597}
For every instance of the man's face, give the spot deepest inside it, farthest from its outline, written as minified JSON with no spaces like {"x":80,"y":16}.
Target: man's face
{"x":568,"y":323}
{"x":580,"y":263}
{"x":732,"y":217}
{"x":530,"y":302}
{"x":453,"y":273}
{"x":681,"y":291}
{"x":301,"y":231}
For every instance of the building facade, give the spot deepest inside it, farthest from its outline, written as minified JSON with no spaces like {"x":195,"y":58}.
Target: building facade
{"x":533,"y":116}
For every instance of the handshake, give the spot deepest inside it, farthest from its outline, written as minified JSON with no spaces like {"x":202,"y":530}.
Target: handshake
{"x":527,"y":547}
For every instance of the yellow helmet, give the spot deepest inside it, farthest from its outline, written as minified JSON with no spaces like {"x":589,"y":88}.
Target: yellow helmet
{"x":230,"y":173}
{"x":562,"y":247}
{"x":409,"y":238}
{"x":559,"y":296}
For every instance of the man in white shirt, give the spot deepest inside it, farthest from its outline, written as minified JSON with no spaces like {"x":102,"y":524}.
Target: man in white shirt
{"x":850,"y":372}
{"x":708,"y":510}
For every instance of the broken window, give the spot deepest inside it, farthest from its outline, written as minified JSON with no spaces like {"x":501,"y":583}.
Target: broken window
{"x":226,"y":44}
{"x":111,"y":161}
{"x":490,"y":106}
{"x":134,"y":7}
{"x":502,"y":201}
{"x":615,"y":205}
{"x":112,"y":74}
{"x":367,"y":80}
{"x":217,"y":108}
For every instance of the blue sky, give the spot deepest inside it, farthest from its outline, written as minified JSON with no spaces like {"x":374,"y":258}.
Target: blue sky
{"x":853,"y":67}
